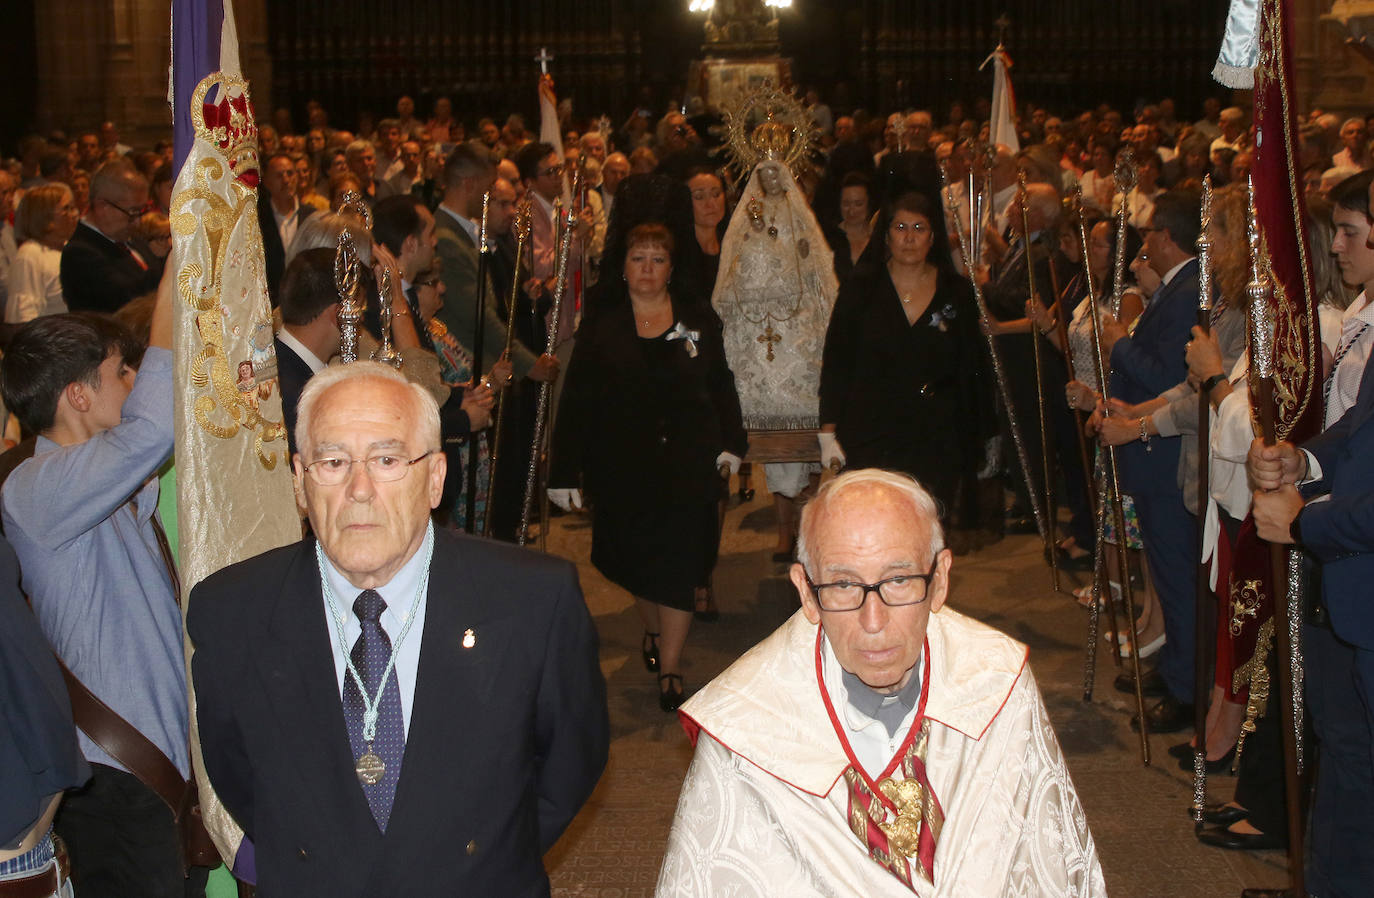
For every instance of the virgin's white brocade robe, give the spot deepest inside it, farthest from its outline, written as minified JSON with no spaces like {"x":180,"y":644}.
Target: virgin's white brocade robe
{"x":764,"y":807}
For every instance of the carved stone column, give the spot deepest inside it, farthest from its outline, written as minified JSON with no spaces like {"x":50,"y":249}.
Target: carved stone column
{"x":1330,"y":75}
{"x":102,"y":60}
{"x":255,"y":55}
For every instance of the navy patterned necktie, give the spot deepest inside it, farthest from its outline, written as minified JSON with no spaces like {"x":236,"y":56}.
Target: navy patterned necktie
{"x":370,"y":654}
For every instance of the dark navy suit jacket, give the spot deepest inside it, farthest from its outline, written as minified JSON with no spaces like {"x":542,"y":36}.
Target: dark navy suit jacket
{"x":38,"y":752}
{"x":1339,"y":532}
{"x":274,"y":254}
{"x":508,"y":736}
{"x":1145,"y":364}
{"x":99,"y":275}
{"x":292,"y":374}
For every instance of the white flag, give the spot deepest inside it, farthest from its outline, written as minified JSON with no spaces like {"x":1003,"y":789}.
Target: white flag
{"x":1003,"y":124}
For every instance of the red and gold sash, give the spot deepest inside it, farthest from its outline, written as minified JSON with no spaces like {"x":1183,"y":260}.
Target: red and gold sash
{"x":898,"y":818}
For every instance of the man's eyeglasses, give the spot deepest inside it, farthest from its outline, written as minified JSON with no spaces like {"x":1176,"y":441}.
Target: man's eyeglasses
{"x":132,"y":214}
{"x":331,"y":471}
{"x":551,"y":171}
{"x":428,"y":280}
{"x":847,"y":595}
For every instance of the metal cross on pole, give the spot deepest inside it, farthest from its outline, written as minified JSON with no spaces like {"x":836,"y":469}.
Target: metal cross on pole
{"x":1002,"y":23}
{"x":544,"y":58}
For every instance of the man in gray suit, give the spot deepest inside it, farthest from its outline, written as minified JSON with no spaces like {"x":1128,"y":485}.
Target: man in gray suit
{"x":468,"y":174}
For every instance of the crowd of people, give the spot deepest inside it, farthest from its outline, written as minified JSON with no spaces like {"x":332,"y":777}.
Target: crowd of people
{"x":698,"y":304}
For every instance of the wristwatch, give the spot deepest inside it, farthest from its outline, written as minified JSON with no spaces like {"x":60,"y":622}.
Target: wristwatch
{"x":1210,"y":383}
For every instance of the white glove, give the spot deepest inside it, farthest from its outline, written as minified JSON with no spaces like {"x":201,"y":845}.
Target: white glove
{"x":992,"y":457}
{"x":568,"y":500}
{"x":728,"y":458}
{"x":830,"y":449}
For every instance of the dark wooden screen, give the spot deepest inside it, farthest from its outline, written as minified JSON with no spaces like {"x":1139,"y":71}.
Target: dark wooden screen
{"x":1069,"y":54}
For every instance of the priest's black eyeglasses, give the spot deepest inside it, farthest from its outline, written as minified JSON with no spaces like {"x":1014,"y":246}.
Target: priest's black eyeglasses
{"x":847,"y":595}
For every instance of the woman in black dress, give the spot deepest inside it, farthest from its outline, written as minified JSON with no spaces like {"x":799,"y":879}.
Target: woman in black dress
{"x":708,"y":223}
{"x":649,"y":414}
{"x":849,"y":236}
{"x":903,"y":381}
{"x":702,"y":256}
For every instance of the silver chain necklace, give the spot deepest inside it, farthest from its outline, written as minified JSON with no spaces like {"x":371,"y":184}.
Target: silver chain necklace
{"x":370,"y":768}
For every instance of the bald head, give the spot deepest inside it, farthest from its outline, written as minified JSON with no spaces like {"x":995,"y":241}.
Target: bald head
{"x":118,"y":194}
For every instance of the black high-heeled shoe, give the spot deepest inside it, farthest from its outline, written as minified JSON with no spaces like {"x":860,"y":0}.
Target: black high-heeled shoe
{"x":649,"y":649}
{"x":670,"y":699}
{"x":1220,"y":765}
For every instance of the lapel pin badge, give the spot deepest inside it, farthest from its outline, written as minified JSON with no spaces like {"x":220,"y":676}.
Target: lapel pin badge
{"x":469,"y":638}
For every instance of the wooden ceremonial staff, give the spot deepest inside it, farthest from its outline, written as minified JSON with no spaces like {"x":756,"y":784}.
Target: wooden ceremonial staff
{"x":522,"y":233}
{"x":1047,"y":533}
{"x":541,"y":415}
{"x":1202,"y":671}
{"x":1114,"y":494}
{"x":1262,"y":337}
{"x":479,"y":332}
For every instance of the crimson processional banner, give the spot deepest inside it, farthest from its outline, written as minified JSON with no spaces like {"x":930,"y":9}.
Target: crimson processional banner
{"x":1280,"y":210}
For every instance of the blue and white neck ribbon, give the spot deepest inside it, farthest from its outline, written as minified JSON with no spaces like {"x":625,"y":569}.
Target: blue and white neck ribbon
{"x":690,"y":338}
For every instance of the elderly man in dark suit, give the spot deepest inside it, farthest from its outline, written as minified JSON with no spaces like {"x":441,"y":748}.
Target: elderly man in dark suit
{"x":1144,"y":364}
{"x":280,"y":213}
{"x":99,"y":271}
{"x":394,"y":710}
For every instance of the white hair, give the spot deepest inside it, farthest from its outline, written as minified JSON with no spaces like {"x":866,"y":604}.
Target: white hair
{"x":923,"y":506}
{"x":357,"y":148}
{"x":322,"y":230}
{"x":426,"y":408}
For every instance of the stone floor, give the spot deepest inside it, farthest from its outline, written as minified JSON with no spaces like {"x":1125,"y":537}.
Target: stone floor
{"x":1136,"y":813}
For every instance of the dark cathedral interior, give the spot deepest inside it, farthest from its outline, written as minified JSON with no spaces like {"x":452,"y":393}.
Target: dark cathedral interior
{"x":954,"y":408}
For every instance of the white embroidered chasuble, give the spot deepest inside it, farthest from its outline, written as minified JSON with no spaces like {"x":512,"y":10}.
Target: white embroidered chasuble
{"x":765,"y":806}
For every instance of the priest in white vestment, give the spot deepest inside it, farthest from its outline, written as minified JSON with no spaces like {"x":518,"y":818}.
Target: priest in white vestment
{"x":878,"y":743}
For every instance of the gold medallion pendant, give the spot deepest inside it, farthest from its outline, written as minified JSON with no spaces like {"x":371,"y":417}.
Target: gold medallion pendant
{"x":903,"y":833}
{"x":370,"y":768}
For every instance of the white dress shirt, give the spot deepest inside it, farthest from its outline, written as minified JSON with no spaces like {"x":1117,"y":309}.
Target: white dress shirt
{"x":287,"y":223}
{"x":35,"y":283}
{"x":873,"y":748}
{"x":1099,"y":191}
{"x":1351,"y":355}
{"x":399,"y":594}
{"x":1140,"y":207}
